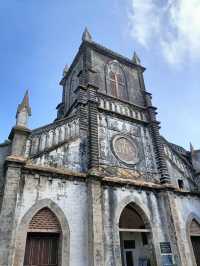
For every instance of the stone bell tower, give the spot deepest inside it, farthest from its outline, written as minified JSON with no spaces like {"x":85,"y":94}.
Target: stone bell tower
{"x":99,"y":185}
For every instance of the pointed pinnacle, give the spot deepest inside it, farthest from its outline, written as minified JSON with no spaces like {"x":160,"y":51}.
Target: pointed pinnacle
{"x":86,"y":35}
{"x":191,"y":148}
{"x":65,"y":70}
{"x":136,"y":59}
{"x":25,"y":104}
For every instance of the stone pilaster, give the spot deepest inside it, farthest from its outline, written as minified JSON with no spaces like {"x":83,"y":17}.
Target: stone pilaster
{"x":18,"y":136}
{"x":174,"y":229}
{"x":95,"y":224}
{"x":93,"y":129}
{"x":157,"y":142}
{"x":7,"y":216}
{"x":13,"y":166}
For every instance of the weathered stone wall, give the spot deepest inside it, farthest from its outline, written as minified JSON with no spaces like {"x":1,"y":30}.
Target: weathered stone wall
{"x":176,"y":174}
{"x":72,"y":83}
{"x":156,"y":211}
{"x":68,"y":156}
{"x":58,"y":146}
{"x":184,"y":209}
{"x":109,"y":127}
{"x":179,"y":169}
{"x":99,"y":64}
{"x":4,"y":151}
{"x":71,"y":198}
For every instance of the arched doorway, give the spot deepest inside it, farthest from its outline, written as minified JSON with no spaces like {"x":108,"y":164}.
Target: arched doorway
{"x":135,"y":237}
{"x":43,"y":240}
{"x":195,"y":239}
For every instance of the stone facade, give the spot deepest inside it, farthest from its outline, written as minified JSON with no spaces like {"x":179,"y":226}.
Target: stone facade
{"x":102,"y":154}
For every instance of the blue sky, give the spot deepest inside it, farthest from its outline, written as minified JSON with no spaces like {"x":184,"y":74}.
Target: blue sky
{"x":38,"y":37}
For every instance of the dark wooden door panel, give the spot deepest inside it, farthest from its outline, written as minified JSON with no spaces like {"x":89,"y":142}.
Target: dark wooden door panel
{"x":196,"y":248}
{"x":41,"y":250}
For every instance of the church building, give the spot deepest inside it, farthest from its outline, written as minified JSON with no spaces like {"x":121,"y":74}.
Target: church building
{"x":99,"y":186}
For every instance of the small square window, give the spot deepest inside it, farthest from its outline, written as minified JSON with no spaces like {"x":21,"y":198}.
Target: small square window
{"x":129,"y":244}
{"x":144,"y":239}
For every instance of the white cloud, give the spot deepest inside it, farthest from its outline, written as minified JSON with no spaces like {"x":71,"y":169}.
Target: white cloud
{"x":174,"y":25}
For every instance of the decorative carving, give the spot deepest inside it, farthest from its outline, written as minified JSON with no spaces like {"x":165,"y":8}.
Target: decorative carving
{"x":125,"y":149}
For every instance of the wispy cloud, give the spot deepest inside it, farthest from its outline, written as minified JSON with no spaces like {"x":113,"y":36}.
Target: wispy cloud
{"x":174,"y":25}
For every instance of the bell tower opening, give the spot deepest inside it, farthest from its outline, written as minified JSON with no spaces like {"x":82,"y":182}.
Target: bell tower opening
{"x":43,"y":240}
{"x":134,"y":238}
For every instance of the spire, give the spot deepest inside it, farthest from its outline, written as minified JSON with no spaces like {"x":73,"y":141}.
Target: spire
{"x":136,"y":59}
{"x":65,"y":70}
{"x":86,"y":35}
{"x":23,"y":111}
{"x":191,"y":148}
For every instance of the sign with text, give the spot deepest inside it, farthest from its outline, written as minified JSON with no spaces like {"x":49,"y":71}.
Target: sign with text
{"x":165,"y":248}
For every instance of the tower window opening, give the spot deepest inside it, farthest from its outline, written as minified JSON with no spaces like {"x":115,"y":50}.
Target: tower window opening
{"x":180,"y":183}
{"x":116,"y":81}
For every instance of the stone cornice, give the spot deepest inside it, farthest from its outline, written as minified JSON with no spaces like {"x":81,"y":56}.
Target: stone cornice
{"x":14,"y":160}
{"x":53,"y":170}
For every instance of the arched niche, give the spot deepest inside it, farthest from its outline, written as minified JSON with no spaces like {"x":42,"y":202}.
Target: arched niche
{"x":116,"y":84}
{"x":193,"y":232}
{"x":135,"y":237}
{"x":45,"y":219}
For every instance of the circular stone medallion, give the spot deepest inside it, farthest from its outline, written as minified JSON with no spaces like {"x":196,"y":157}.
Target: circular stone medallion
{"x":125,"y":149}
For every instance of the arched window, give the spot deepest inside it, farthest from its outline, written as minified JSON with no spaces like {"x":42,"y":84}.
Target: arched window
{"x":116,"y":82}
{"x":135,"y":237}
{"x":74,"y":81}
{"x":195,"y":239}
{"x":43,"y":237}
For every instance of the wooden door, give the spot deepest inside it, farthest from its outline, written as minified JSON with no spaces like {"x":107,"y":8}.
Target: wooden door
{"x":41,"y":249}
{"x":196,"y":248}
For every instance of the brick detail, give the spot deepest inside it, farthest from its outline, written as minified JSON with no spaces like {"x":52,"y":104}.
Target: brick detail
{"x":44,"y":220}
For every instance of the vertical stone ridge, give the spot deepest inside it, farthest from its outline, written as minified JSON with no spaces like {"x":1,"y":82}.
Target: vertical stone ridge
{"x":95,"y":223}
{"x":93,"y":135}
{"x":157,"y":142}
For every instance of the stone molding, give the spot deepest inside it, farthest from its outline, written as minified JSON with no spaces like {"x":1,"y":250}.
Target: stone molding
{"x":141,"y":209}
{"x":22,"y":230}
{"x":188,"y":223}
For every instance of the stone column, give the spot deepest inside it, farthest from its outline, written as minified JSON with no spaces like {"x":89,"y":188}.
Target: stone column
{"x":96,"y":247}
{"x":14,"y":164}
{"x":157,"y":142}
{"x":7,"y":216}
{"x":176,"y":230}
{"x":95,"y":224}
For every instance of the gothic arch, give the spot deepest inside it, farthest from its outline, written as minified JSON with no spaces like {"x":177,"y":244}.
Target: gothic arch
{"x":122,"y":91}
{"x":22,"y":229}
{"x":142,"y":211}
{"x":191,"y":217}
{"x":139,"y":206}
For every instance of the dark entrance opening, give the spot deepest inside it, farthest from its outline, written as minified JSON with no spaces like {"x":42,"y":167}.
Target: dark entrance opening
{"x":196,"y":247}
{"x":195,"y":239}
{"x":41,"y":249}
{"x":134,"y":237}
